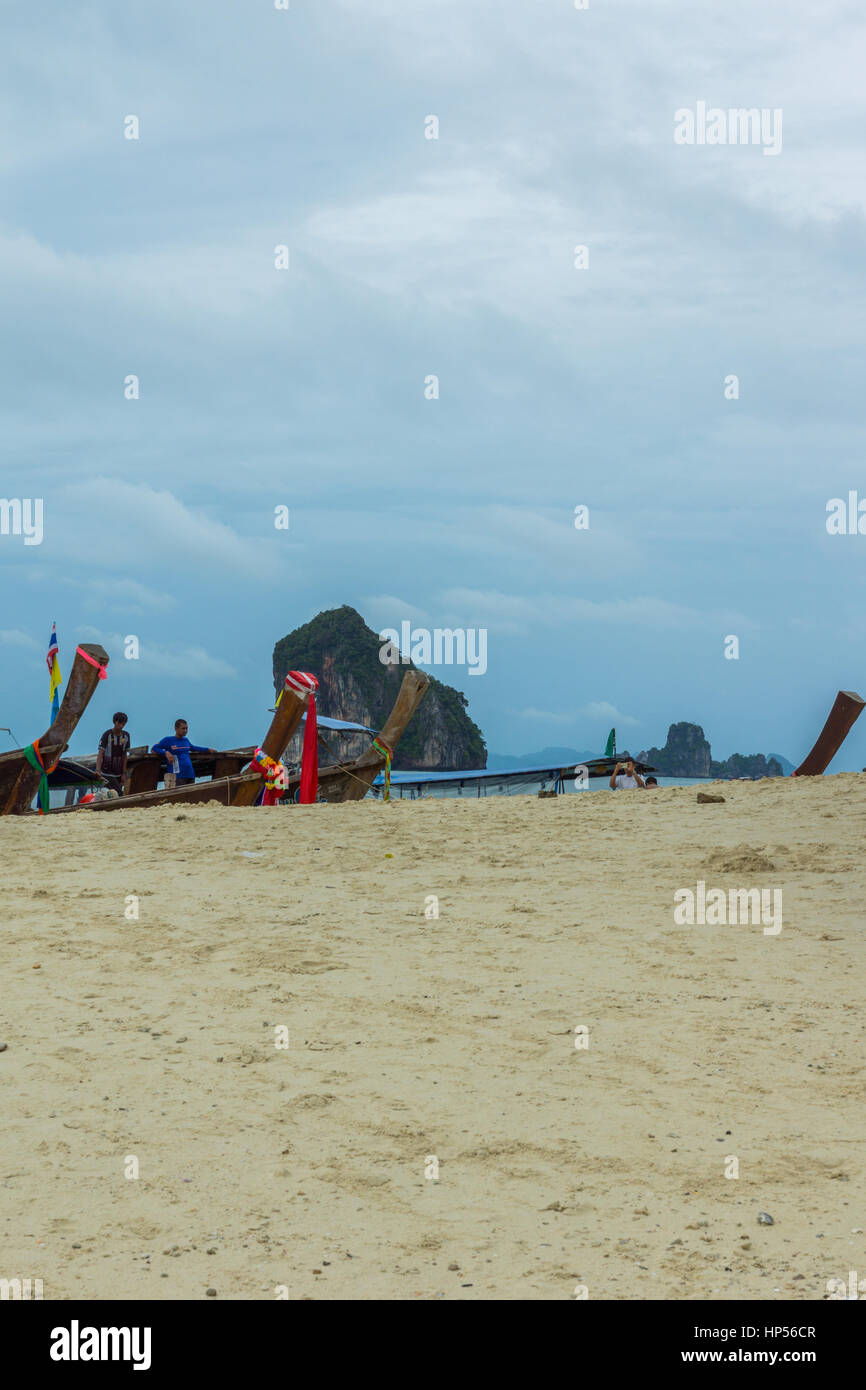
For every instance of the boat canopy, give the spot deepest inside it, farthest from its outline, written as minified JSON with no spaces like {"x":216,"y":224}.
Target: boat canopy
{"x":513,"y":777}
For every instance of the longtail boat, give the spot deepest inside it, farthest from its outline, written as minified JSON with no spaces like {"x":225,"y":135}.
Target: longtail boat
{"x":352,"y":781}
{"x":338,"y":782}
{"x":20,"y":774}
{"x":847,"y":708}
{"x":478,"y":780}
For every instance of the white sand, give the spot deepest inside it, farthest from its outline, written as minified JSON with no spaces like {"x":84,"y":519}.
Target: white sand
{"x":412,"y":1037}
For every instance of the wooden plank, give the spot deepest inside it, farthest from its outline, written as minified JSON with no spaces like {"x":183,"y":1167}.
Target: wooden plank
{"x":193,"y":794}
{"x":144,"y":774}
{"x":225,"y":766}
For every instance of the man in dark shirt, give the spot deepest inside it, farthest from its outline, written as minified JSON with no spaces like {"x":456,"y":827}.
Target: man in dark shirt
{"x":176,"y":752}
{"x":112,"y":754}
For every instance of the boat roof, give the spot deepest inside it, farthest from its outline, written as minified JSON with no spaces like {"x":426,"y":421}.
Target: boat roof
{"x":341,"y":724}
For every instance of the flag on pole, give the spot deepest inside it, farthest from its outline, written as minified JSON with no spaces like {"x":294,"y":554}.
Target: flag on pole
{"x":610,"y":750}
{"x":54,"y":677}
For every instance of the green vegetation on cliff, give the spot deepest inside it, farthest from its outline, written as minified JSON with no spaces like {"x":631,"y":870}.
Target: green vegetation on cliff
{"x":340,"y":633}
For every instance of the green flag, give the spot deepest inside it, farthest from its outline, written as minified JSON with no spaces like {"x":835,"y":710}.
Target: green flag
{"x":610,"y":750}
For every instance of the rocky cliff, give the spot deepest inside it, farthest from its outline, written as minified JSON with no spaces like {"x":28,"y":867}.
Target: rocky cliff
{"x":687,"y":754}
{"x":343,"y":653}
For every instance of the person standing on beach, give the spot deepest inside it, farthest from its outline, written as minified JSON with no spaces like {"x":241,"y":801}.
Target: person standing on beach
{"x":176,"y":751}
{"x":624,"y":776}
{"x":112,"y":754}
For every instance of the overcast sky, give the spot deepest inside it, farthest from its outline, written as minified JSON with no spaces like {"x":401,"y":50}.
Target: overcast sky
{"x":455,"y":257}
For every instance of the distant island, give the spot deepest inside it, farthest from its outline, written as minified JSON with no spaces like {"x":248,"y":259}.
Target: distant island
{"x":686,"y":753}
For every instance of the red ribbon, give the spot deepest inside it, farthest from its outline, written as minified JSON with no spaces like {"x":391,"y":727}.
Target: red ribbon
{"x":103,"y":674}
{"x":310,"y":757}
{"x":300,"y":683}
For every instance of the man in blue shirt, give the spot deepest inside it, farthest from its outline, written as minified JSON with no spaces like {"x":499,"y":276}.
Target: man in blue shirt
{"x":176,"y":752}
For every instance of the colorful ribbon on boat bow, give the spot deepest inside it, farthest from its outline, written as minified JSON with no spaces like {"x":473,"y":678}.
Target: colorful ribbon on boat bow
{"x":275,"y":776}
{"x":270,"y":769}
{"x":301,"y":683}
{"x":37,"y":762}
{"x":386,"y":752}
{"x":103,"y":674}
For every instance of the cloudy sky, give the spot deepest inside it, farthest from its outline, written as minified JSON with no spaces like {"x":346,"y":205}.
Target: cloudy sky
{"x":412,"y":257}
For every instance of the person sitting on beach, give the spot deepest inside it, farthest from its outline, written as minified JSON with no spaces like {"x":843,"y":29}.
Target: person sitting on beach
{"x":176,"y":752}
{"x":625,"y":776}
{"x":112,"y":753}
{"x":650,"y":782}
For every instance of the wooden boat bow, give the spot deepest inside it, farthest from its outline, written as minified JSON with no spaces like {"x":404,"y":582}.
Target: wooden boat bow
{"x":847,"y":708}
{"x":19,"y":782}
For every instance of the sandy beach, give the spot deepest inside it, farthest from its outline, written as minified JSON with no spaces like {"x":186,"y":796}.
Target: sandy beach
{"x":302,"y":1168}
